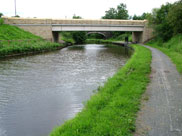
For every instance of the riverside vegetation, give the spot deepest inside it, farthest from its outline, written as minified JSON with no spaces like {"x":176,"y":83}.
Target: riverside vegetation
{"x":172,"y":48}
{"x":15,"y":41}
{"x":167,"y":24}
{"x":112,"y":110}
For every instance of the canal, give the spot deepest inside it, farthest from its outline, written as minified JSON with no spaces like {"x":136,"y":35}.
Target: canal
{"x":40,"y":92}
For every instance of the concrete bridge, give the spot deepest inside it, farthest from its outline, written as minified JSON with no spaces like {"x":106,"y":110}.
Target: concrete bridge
{"x":49,"y":28}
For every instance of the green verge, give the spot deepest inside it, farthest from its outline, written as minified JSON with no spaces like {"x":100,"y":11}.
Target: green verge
{"x":15,"y":41}
{"x":99,"y":41}
{"x":172,"y":48}
{"x":112,"y":110}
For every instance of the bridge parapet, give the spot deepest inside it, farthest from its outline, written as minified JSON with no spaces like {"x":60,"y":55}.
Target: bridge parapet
{"x":15,"y":20}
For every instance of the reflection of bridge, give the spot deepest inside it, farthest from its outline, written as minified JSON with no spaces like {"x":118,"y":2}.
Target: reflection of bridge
{"x":49,"y":28}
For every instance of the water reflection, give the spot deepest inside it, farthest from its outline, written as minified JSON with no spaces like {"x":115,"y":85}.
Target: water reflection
{"x":39,"y":92}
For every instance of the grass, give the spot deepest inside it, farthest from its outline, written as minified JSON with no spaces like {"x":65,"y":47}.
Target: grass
{"x":122,"y":37}
{"x":99,"y":41}
{"x":67,"y":37}
{"x":15,"y":41}
{"x":172,"y":48}
{"x":8,"y":32}
{"x":112,"y":110}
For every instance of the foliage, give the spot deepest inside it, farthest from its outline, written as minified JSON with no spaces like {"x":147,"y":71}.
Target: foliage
{"x":14,"y":40}
{"x":119,"y":13}
{"x":110,"y":14}
{"x":76,"y":17}
{"x":123,"y":36}
{"x":67,"y":37}
{"x":17,"y":16}
{"x":1,"y":14}
{"x":112,"y":110}
{"x":18,"y":48}
{"x":167,"y":20}
{"x":95,"y":36}
{"x":175,"y":17}
{"x":172,"y":48}
{"x":73,"y":37}
{"x":79,"y":37}
{"x":100,"y":41}
{"x":76,"y":37}
{"x":174,"y":44}
{"x":142,"y":17}
{"x":1,"y":21}
{"x":160,"y":23}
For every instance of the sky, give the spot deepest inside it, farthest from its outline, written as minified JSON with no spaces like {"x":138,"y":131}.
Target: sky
{"x":87,"y":9}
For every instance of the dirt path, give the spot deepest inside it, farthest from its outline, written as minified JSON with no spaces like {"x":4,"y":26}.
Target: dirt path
{"x":161,"y":111}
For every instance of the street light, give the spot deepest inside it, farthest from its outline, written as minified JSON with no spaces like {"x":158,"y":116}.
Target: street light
{"x":15,"y":7}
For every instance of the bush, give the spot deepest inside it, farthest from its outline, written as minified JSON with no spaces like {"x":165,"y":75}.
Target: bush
{"x":1,"y":21}
{"x":1,"y":14}
{"x":175,"y":17}
{"x":79,"y":37}
{"x":167,"y":20}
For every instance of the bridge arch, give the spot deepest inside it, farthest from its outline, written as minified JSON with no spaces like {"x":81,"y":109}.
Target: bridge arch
{"x":101,"y":33}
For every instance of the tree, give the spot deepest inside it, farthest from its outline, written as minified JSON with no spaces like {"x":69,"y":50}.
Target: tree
{"x":122,"y":13}
{"x":159,"y":22}
{"x":142,"y":17}
{"x":79,"y":37}
{"x":110,"y":14}
{"x":17,"y":16}
{"x":76,"y":17}
{"x":175,"y":17}
{"x":119,"y":13}
{"x":1,"y":14}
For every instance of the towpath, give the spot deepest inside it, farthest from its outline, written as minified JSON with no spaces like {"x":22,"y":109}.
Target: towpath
{"x":161,"y":111}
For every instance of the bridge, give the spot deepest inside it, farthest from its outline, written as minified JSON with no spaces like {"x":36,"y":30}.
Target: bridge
{"x":49,"y":28}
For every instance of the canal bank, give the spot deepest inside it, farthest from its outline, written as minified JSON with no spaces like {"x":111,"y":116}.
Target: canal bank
{"x":112,"y":110}
{"x":17,"y":42}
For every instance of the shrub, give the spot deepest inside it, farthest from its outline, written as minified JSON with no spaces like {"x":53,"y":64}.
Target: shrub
{"x":1,"y":21}
{"x":79,"y":37}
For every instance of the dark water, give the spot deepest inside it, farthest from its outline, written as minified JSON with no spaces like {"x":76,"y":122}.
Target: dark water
{"x":38,"y":93}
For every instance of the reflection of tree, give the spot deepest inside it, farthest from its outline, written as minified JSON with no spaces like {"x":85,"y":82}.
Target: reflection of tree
{"x":115,"y":50}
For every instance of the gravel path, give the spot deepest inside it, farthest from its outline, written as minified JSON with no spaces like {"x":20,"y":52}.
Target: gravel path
{"x":161,"y":111}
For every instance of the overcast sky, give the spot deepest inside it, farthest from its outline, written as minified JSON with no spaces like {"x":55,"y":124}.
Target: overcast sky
{"x":88,"y":9}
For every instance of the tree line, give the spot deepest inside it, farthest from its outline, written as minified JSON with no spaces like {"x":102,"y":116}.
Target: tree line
{"x":166,"y":20}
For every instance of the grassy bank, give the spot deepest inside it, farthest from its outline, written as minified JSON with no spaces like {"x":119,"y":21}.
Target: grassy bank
{"x":112,"y":110}
{"x":172,"y":48}
{"x":15,"y":41}
{"x":99,"y":41}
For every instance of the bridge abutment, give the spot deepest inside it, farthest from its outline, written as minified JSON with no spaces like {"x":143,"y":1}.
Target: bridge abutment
{"x":55,"y":36}
{"x":137,"y":37}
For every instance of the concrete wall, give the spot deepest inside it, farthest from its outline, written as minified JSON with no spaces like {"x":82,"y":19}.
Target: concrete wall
{"x":42,"y":31}
{"x":147,"y":33}
{"x":49,"y":28}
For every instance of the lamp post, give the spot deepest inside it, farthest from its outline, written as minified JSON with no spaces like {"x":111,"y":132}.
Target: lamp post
{"x":15,"y":7}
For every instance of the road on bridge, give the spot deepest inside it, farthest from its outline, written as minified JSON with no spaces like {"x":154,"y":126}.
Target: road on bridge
{"x":161,"y":114}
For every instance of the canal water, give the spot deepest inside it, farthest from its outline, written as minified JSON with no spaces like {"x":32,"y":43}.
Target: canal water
{"x":40,"y":92}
